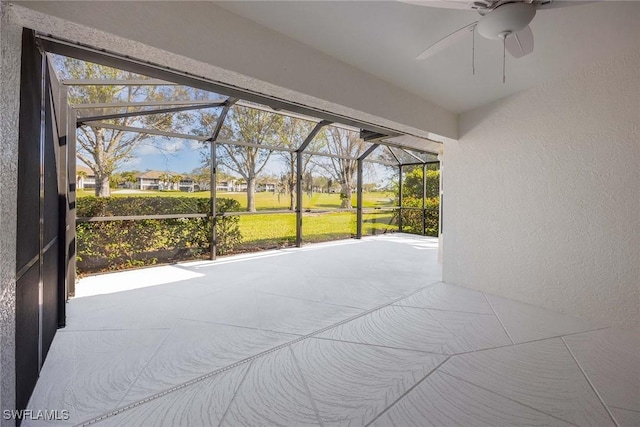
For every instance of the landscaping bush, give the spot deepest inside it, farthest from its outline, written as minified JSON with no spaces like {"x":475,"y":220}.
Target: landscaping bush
{"x":113,"y":245}
{"x":412,"y":218}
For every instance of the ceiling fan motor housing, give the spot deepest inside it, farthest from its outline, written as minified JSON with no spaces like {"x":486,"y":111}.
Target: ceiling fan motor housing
{"x":506,"y":19}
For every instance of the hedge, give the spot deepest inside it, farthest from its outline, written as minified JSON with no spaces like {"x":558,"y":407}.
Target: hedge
{"x":412,"y":218}
{"x":114,"y":245}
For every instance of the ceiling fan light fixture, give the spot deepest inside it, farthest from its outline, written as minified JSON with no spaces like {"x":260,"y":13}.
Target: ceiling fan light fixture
{"x":507,"y":18}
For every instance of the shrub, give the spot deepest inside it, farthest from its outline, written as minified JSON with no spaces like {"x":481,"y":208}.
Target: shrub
{"x":412,"y":218}
{"x":116,"y":245}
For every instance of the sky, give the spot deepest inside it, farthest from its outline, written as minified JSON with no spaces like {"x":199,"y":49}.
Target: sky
{"x":174,"y":155}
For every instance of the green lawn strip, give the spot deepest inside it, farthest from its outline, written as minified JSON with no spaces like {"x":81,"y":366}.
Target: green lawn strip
{"x":276,"y":230}
{"x":378,"y":223}
{"x":267,"y":229}
{"x":323,"y":227}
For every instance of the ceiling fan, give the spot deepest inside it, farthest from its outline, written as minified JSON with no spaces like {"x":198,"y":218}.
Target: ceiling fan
{"x":506,"y":20}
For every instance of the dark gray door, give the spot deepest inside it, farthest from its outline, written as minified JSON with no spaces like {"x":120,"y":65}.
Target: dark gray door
{"x":41,"y":239}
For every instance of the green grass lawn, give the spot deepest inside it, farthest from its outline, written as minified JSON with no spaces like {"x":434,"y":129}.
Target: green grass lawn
{"x":279,"y":230}
{"x":266,"y":200}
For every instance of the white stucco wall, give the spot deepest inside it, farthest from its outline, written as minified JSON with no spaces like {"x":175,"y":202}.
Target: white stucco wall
{"x":206,"y":40}
{"x":542,"y":195}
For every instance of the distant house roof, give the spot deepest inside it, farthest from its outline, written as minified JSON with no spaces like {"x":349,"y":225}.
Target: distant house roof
{"x":85,"y":169}
{"x":153,"y":174}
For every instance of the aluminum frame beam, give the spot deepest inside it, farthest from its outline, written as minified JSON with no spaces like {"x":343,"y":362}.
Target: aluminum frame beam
{"x":116,"y":82}
{"x":381,"y":162}
{"x":214,"y":166}
{"x":144,"y":104}
{"x":394,"y":155}
{"x":402,"y":147}
{"x":72,"y":196}
{"x":146,"y":131}
{"x":138,"y":217}
{"x":424,"y":199}
{"x":400,"y":196}
{"x":223,"y":115}
{"x":368,"y":151}
{"x":214,"y":195}
{"x":280,"y":111}
{"x":412,"y":155}
{"x":148,"y":112}
{"x":252,"y":145}
{"x":335,"y":156}
{"x":312,"y":135}
{"x":265,"y":212}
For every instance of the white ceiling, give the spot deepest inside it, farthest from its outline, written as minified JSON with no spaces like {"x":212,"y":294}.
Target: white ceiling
{"x":384,"y":37}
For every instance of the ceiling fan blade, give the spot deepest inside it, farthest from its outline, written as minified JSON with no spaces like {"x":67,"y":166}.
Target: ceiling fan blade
{"x":447,"y":41}
{"x":445,"y":4}
{"x":554,"y":4}
{"x":521,"y":43}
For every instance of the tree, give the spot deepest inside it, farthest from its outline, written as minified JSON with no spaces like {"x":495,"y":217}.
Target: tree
{"x":202,"y":177}
{"x":105,"y":150}
{"x":412,"y":185}
{"x":175,"y":180}
{"x":256,"y":127}
{"x":292,"y":134}
{"x":348,"y":146}
{"x":169,"y":180}
{"x":130,"y":177}
{"x":115,"y":180}
{"x":164,"y":179}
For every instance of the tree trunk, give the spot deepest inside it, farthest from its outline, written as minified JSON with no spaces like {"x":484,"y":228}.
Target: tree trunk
{"x":251,"y":194}
{"x":346,"y":193}
{"x":293,"y":169}
{"x":292,"y":193}
{"x":102,"y":186}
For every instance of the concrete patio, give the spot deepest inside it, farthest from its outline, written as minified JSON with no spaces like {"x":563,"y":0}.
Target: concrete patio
{"x":345,"y":333}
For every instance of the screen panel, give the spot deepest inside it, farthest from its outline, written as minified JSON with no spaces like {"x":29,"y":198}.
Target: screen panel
{"x":328,"y":226}
{"x":27,"y":334}
{"x":265,"y":231}
{"x":28,"y":220}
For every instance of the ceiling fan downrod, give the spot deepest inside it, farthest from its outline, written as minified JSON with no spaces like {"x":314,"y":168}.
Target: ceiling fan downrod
{"x":473,"y":53}
{"x":503,"y":35}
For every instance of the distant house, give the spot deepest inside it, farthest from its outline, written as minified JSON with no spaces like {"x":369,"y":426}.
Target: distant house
{"x":231,"y":185}
{"x":241,"y":186}
{"x":149,"y":180}
{"x":85,"y":178}
{"x":162,"y":180}
{"x":201,"y":186}
{"x":225,"y":185}
{"x":266,"y":186}
{"x":187,"y":184}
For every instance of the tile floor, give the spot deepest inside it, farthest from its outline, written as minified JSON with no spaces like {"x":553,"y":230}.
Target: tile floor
{"x":347,"y":333}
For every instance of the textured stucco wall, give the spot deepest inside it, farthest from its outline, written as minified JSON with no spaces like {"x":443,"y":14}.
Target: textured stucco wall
{"x":542,"y":195}
{"x":207,"y":40}
{"x":10,"y":39}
